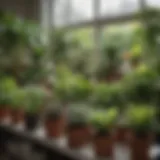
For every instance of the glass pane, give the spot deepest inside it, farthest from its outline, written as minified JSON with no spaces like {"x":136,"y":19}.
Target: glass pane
{"x":61,"y":12}
{"x":116,"y":7}
{"x":81,"y":10}
{"x":153,"y":3}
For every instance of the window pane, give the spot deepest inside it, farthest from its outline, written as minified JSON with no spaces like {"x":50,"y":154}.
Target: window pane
{"x":153,"y":3}
{"x":61,"y":12}
{"x":116,"y":7}
{"x":81,"y":10}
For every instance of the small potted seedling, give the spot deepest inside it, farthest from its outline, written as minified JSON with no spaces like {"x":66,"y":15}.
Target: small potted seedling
{"x":18,"y":105}
{"x":136,"y":55}
{"x":55,"y":123}
{"x":79,"y":131}
{"x":7,"y":87}
{"x":103,"y":123}
{"x":34,"y":103}
{"x":140,"y":119}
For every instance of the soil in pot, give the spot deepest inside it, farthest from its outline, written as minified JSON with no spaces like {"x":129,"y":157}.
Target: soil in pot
{"x":140,"y":144}
{"x":17,"y":116}
{"x":103,"y":144}
{"x":31,"y":121}
{"x":79,"y":136}
{"x":4,"y":113}
{"x":54,"y":125}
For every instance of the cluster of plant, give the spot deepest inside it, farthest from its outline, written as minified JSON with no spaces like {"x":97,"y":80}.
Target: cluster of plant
{"x":28,"y":98}
{"x":71,"y":87}
{"x":23,"y":57}
{"x":22,"y":50}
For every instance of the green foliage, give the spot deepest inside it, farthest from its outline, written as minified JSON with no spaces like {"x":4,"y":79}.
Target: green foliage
{"x":35,"y":98}
{"x":136,"y":53}
{"x":59,"y":48}
{"x":140,"y":118}
{"x":104,"y":120}
{"x":21,"y":48}
{"x":18,"y":98}
{"x":108,"y":94}
{"x":140,"y":84}
{"x":78,"y":116}
{"x":7,"y":88}
{"x":69,"y":87}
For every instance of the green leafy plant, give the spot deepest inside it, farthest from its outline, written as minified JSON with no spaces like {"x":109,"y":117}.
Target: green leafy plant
{"x":71,"y":87}
{"x":103,"y":121}
{"x":35,"y":99}
{"x":139,"y":85}
{"x":78,"y":116}
{"x":110,"y":62}
{"x":108,"y":94}
{"x":140,"y":118}
{"x":18,"y":98}
{"x":136,"y":54}
{"x":7,"y":88}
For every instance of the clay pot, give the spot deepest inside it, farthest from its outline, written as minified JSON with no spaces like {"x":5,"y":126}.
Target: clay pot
{"x":114,"y":76}
{"x":17,"y":116}
{"x":140,"y":144}
{"x":55,"y":127}
{"x":79,"y":136}
{"x":103,"y":145}
{"x":31,"y":121}
{"x":121,"y":134}
{"x":4,"y":113}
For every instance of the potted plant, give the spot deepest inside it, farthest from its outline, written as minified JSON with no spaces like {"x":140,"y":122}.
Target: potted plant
{"x":108,"y":95}
{"x":103,"y":123}
{"x":7,"y":87}
{"x":55,"y":123}
{"x":136,"y":55}
{"x":79,"y":131}
{"x":72,"y":88}
{"x":113,"y":62}
{"x":140,"y":119}
{"x":34,"y":103}
{"x":18,"y":105}
{"x":143,"y":89}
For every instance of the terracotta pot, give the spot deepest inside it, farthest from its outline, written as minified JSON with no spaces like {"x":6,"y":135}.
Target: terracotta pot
{"x":4,"y":113}
{"x":55,"y":127}
{"x":79,"y":136}
{"x":140,"y":144}
{"x":114,"y":76}
{"x":121,"y":134}
{"x":31,"y":121}
{"x":17,"y":116}
{"x":103,"y":145}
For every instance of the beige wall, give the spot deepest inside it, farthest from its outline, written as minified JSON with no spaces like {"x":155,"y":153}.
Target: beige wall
{"x":29,"y":9}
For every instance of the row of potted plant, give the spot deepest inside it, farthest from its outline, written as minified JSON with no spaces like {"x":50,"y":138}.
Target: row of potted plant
{"x":82,"y":127}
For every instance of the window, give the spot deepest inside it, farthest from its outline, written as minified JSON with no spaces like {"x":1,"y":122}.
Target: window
{"x":116,"y":7}
{"x":72,"y":11}
{"x":153,"y":3}
{"x":61,"y":12}
{"x":81,"y":10}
